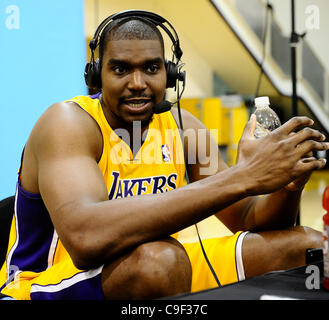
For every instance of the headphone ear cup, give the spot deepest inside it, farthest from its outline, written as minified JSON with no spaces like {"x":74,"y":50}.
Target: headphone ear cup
{"x":92,"y":75}
{"x":172,"y":74}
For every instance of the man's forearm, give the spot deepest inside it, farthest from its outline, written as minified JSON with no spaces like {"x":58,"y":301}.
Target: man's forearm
{"x":119,"y":225}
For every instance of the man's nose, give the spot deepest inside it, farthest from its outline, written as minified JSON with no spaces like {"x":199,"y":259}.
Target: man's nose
{"x":137,"y":81}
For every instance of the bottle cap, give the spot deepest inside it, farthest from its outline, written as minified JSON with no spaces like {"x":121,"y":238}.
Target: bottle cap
{"x":262,"y":101}
{"x":325,"y":199}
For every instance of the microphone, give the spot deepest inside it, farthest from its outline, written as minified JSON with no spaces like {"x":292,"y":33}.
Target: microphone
{"x":163,"y":106}
{"x":166,"y":105}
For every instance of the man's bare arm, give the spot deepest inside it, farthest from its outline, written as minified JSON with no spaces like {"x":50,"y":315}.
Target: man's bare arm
{"x":93,"y":229}
{"x":272,"y":211}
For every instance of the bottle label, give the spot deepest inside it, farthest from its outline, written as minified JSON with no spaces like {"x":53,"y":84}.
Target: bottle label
{"x":326,"y":251}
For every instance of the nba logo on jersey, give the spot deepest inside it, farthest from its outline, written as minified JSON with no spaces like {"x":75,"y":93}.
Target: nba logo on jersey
{"x":165,"y":153}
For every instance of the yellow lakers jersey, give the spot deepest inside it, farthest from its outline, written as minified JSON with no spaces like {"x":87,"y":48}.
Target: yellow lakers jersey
{"x":38,"y":266}
{"x":157,"y":167}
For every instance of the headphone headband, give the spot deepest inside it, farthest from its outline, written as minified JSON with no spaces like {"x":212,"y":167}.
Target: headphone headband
{"x":154,"y":18}
{"x":92,"y":73}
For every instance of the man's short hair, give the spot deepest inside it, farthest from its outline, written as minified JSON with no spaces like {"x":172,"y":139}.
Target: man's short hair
{"x":131,"y":28}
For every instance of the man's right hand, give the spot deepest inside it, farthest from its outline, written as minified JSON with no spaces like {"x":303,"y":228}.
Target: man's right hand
{"x":275,"y":160}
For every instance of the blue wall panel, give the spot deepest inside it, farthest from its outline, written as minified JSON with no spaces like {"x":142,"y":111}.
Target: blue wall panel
{"x":42,"y":57}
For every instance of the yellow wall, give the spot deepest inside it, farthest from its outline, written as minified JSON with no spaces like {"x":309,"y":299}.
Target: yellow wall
{"x":215,"y":116}
{"x":228,"y":121}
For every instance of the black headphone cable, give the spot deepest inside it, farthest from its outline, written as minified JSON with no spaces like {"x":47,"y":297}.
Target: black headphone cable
{"x":188,"y":181}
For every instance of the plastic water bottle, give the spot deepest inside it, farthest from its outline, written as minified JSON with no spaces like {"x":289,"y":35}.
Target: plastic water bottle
{"x":267,"y":119}
{"x":325,"y":203}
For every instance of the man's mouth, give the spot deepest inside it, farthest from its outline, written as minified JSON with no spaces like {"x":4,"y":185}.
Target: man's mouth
{"x":137,"y":105}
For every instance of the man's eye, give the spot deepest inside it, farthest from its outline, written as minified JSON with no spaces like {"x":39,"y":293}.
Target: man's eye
{"x":119,"y":69}
{"x":153,"y":68}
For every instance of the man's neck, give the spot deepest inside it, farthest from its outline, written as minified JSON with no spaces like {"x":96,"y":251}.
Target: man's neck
{"x":136,"y":131}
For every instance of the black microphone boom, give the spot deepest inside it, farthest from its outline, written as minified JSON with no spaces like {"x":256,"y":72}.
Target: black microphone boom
{"x":163,"y":106}
{"x":166,"y":105}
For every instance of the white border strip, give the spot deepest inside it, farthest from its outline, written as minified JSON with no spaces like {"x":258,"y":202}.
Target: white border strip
{"x":13,"y":248}
{"x":238,"y":256}
{"x":66,"y":283}
{"x":52,"y":249}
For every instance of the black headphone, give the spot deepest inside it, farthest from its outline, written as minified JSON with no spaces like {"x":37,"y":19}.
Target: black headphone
{"x":92,"y":71}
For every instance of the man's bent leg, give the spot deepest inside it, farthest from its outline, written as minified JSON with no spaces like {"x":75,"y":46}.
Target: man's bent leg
{"x":277,"y":250}
{"x":152,"y":270}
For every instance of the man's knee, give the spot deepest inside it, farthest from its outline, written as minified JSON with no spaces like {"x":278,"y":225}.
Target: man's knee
{"x":278,"y":249}
{"x":312,"y":237}
{"x":152,"y":270}
{"x":295,"y":241}
{"x":164,"y":267}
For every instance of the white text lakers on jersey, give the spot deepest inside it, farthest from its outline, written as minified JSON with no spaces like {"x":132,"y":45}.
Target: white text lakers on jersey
{"x":122,"y":188}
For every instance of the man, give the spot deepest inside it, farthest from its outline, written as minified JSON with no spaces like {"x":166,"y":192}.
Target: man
{"x":78,"y":233}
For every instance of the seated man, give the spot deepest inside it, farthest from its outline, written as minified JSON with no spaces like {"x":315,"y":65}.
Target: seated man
{"x":97,"y":217}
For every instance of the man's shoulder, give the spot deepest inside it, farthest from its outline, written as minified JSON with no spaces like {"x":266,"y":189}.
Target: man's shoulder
{"x":63,"y":131}
{"x":63,"y":122}
{"x":64,"y":114}
{"x":188,"y":119}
